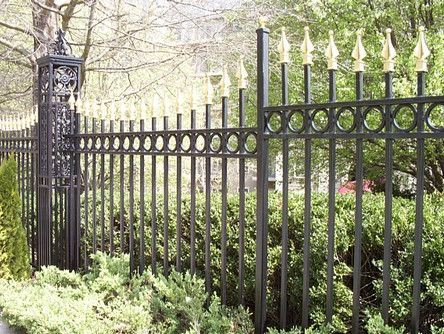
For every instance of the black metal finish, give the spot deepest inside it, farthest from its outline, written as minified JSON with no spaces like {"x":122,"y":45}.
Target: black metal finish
{"x":331,"y":199}
{"x":285,"y":174}
{"x":262,"y":180}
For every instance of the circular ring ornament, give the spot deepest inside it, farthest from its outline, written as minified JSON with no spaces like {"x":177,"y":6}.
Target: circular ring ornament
{"x":294,"y":118}
{"x":396,"y":113}
{"x":105,"y":143}
{"x":275,"y":117}
{"x":250,"y":143}
{"x":136,"y":144}
{"x":343,"y":113}
{"x":147,"y":143}
{"x":215,"y":142}
{"x":428,"y":114}
{"x":367,"y":113}
{"x":98,"y":143}
{"x":127,"y":143}
{"x":200,"y":143}
{"x":319,"y":113}
{"x":185,"y":142}
{"x":116,"y":143}
{"x":233,"y":142}
{"x":159,"y":143}
{"x":90,"y":143}
{"x":172,"y":143}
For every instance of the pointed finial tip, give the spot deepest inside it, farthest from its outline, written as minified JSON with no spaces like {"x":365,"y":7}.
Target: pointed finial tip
{"x":421,"y":51}
{"x":263,"y":22}
{"x":284,"y":48}
{"x":388,"y":52}
{"x":359,"y":53}
{"x":331,"y":52}
{"x":307,"y":48}
{"x":331,"y":33}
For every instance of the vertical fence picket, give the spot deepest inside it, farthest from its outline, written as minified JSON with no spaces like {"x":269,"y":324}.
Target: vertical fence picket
{"x":331,"y":197}
{"x":285,"y":174}
{"x":421,"y":68}
{"x":242,"y":171}
{"x":102,"y":185}
{"x":193,"y":196}
{"x":307,"y":48}
{"x":94,"y":180}
{"x":388,"y":195}
{"x":142,"y":200}
{"x":178,"y":196}
{"x":359,"y":175}
{"x":207,"y":202}
{"x":153,"y":200}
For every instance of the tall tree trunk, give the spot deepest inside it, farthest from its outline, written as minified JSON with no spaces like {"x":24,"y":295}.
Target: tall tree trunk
{"x":44,"y":18}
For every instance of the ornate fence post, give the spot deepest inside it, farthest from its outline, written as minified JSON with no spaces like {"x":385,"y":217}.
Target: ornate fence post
{"x":58,"y":184}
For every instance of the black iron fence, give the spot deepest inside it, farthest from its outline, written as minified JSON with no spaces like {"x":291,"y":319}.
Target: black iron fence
{"x":114,"y":182}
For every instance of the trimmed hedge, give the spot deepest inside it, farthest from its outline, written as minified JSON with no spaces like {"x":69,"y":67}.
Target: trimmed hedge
{"x":14,"y":254}
{"x":432,"y":307}
{"x":107,"y":301}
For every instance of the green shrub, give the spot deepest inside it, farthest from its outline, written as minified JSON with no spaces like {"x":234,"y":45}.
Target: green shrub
{"x":14,"y":256}
{"x":107,"y":300}
{"x":432,"y":310}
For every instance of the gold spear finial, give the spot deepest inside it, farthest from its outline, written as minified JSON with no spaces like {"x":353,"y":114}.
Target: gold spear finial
{"x":307,"y":48}
{"x":166,"y":106}
{"x":133,"y":112}
{"x":209,"y":91}
{"x":284,"y":48}
{"x":103,"y":111}
{"x":79,"y":105}
{"x":359,"y":53}
{"x":242,"y":75}
{"x":179,"y":102}
{"x":143,"y":110}
{"x":331,"y":52}
{"x":113,"y":110}
{"x":194,"y":97}
{"x":263,"y":22}
{"x":388,"y":52}
{"x":421,"y":51}
{"x":27,"y":121}
{"x":87,"y":108}
{"x":122,"y":107}
{"x":72,"y":101}
{"x":225,"y":82}
{"x":35,"y":114}
{"x":155,"y":107}
{"x":95,"y":108}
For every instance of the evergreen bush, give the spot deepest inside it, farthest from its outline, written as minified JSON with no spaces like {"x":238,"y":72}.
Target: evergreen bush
{"x":432,"y":305}
{"x":108,"y":300}
{"x":14,"y":254}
